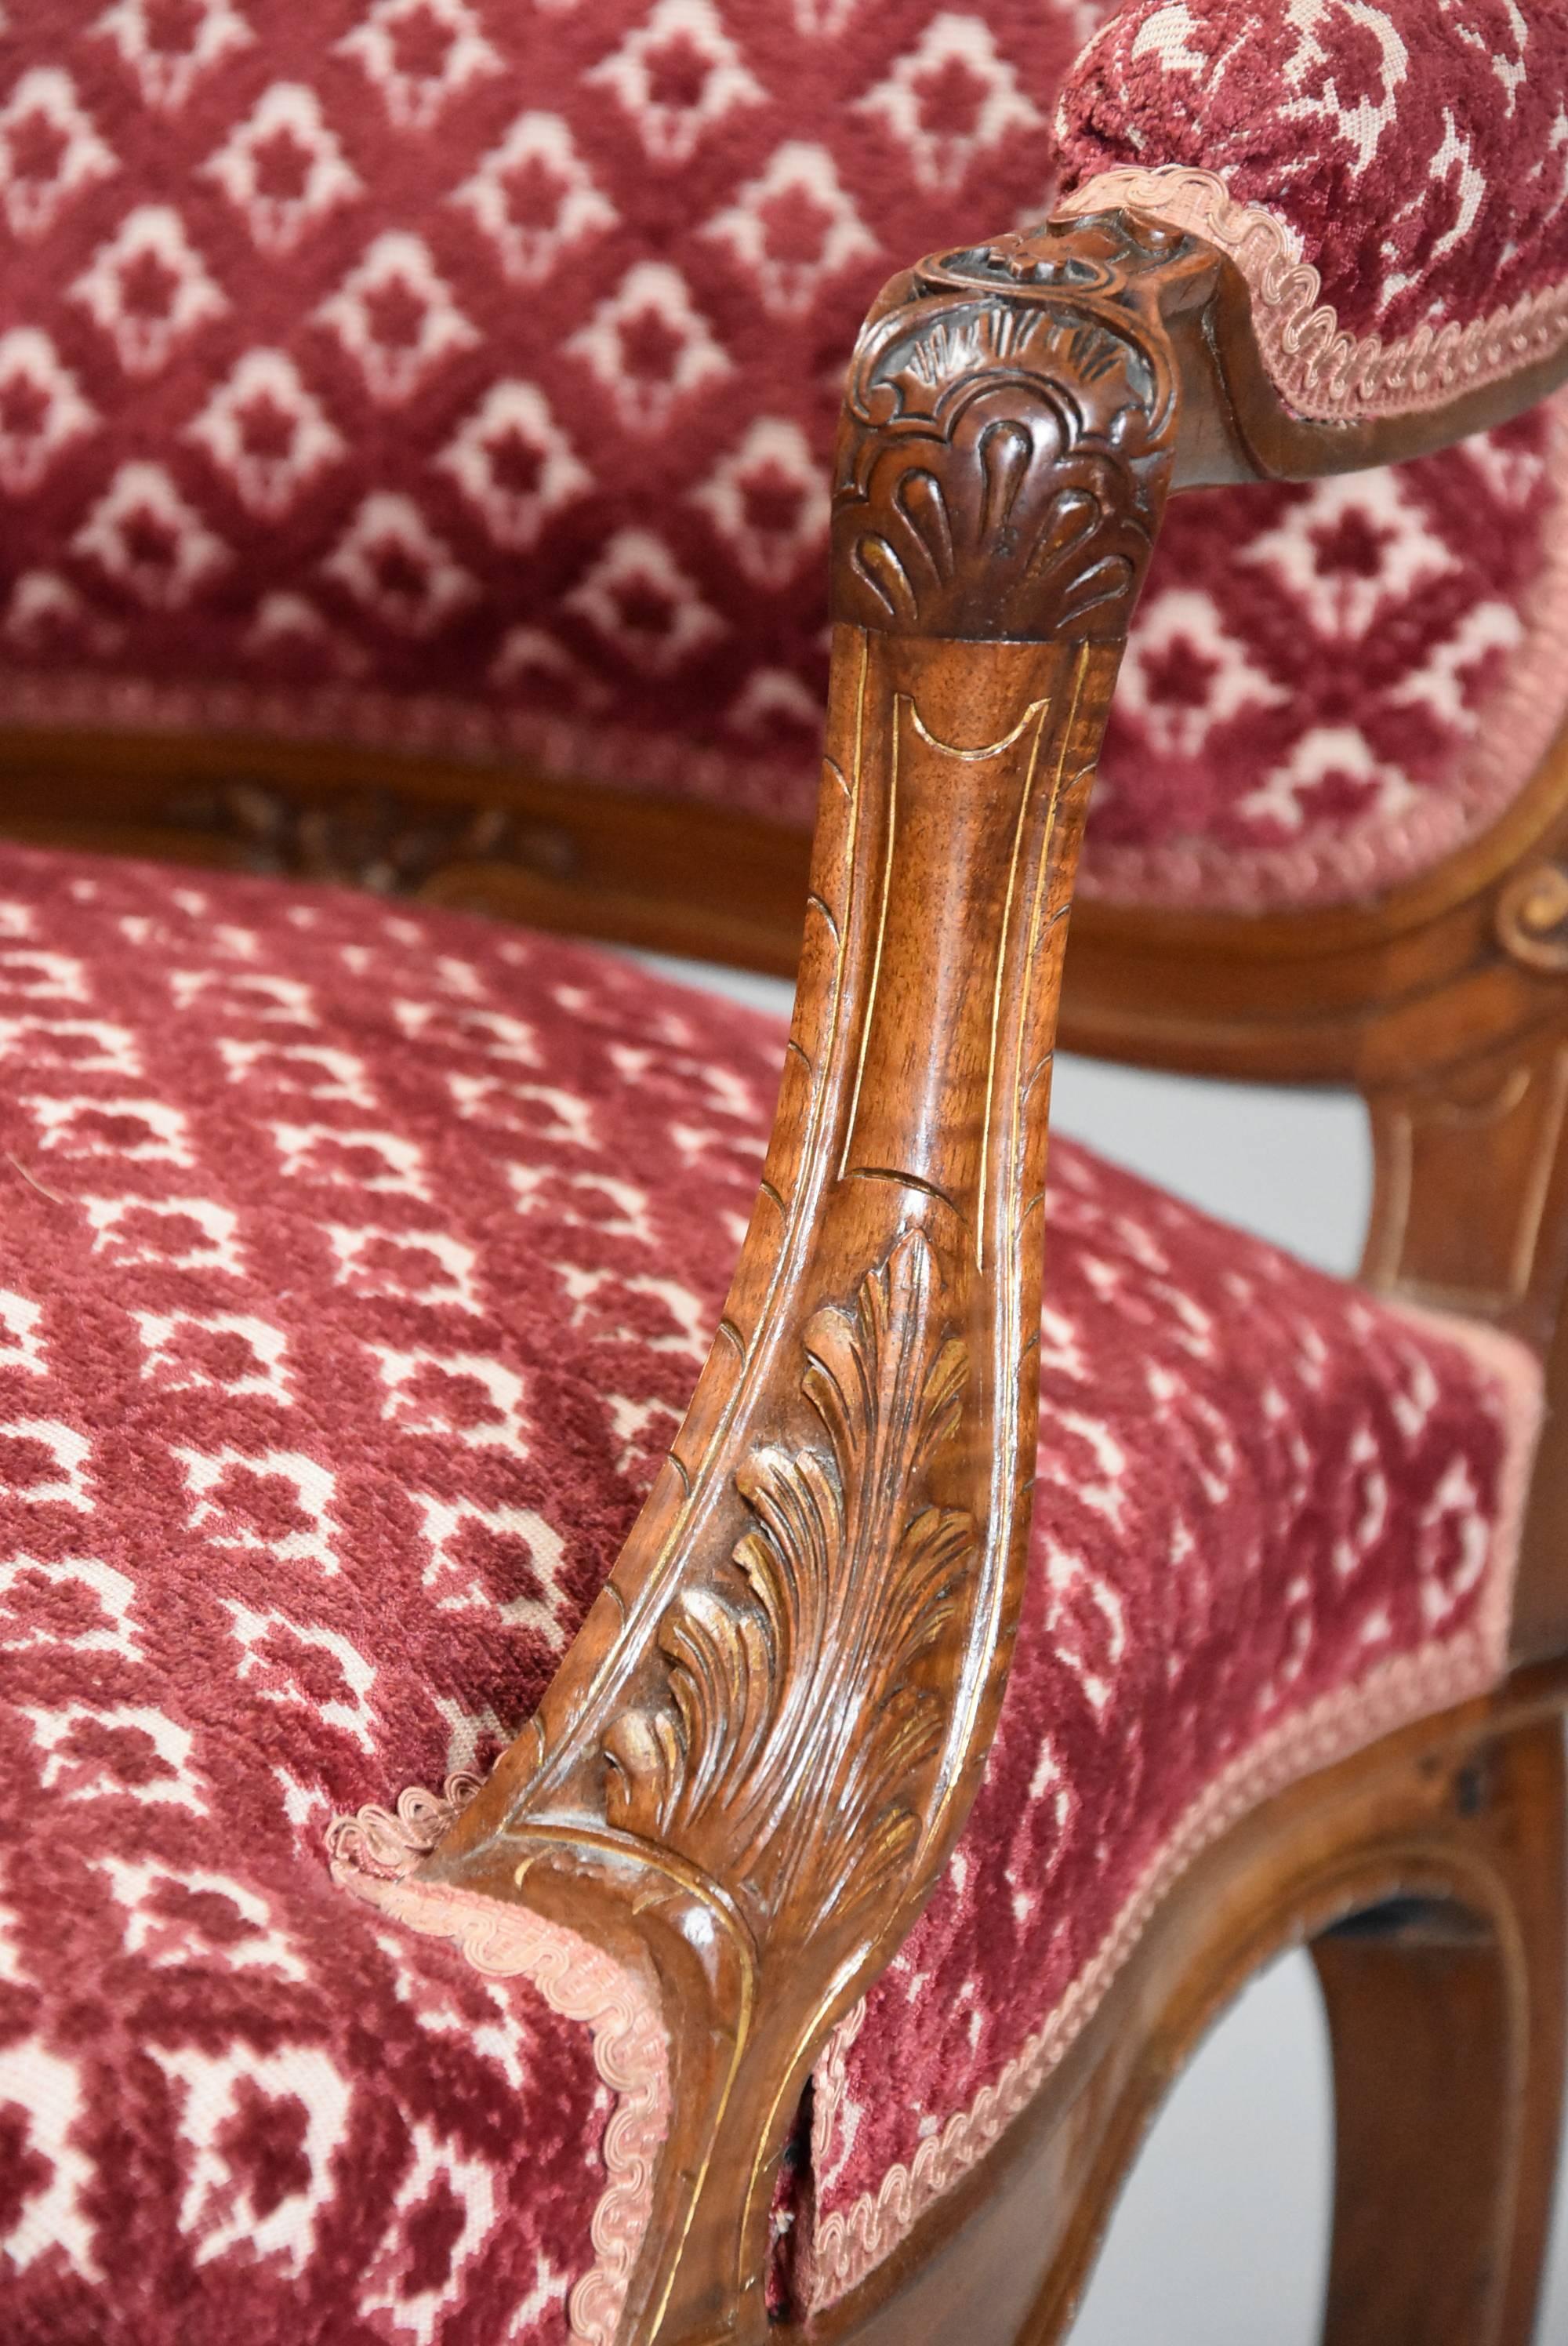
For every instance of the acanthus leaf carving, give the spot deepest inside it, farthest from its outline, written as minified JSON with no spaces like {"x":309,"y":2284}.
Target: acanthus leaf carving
{"x":796,"y":1723}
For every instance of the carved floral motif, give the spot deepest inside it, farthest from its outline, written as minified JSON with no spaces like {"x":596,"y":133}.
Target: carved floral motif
{"x":367,"y":839}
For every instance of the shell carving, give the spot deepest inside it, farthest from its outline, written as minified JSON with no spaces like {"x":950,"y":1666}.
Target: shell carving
{"x":1003,"y":464}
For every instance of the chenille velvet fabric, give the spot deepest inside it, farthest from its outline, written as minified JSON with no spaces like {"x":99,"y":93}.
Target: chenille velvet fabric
{"x":1330,"y":686}
{"x":1413,"y":148}
{"x":461,"y":375}
{"x":354,"y":1267}
{"x":1272,"y":1520}
{"x":443,"y":376}
{"x":1324,"y":704}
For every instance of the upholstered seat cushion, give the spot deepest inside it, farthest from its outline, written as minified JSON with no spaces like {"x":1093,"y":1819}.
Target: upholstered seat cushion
{"x":354,"y":1266}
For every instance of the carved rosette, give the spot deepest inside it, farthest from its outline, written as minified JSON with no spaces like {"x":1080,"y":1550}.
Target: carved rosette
{"x":1531,"y":918}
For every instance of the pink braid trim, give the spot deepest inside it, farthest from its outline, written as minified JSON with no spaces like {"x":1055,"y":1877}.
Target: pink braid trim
{"x":850,"y":2243}
{"x":374,"y":1856}
{"x":1318,"y":369}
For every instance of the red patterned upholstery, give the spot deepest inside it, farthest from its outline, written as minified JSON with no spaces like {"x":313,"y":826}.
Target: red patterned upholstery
{"x":1331,"y":686}
{"x":353,"y":1270}
{"x":353,"y":1267}
{"x":434,"y":374}
{"x":1271,"y":1522}
{"x":1326,"y":695}
{"x":449,"y":374}
{"x":1413,"y":154}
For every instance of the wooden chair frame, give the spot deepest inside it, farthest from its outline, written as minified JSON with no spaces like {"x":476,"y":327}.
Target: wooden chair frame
{"x":756,"y":1757}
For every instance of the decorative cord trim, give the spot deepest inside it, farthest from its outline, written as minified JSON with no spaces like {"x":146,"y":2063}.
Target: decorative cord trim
{"x":374,"y":1856}
{"x":1318,"y":369}
{"x":830,"y":2086}
{"x":850,"y":2243}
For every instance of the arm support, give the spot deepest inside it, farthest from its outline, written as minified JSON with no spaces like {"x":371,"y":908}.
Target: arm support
{"x":757,"y":1754}
{"x":756,"y":1757}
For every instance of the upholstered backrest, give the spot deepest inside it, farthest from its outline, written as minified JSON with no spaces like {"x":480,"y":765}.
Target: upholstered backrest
{"x":1332,"y":686}
{"x":1391,"y":175}
{"x":461,"y":373}
{"x":450,"y":375}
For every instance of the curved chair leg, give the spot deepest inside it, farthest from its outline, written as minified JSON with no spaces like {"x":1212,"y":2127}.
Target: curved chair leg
{"x":1446,"y":2021}
{"x":1444,"y":1844}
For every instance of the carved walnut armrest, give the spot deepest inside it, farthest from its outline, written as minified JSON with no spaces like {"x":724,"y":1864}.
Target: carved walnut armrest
{"x":757,"y":1755}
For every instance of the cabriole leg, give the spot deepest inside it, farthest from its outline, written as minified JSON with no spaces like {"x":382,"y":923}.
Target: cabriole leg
{"x":1446,"y":2023}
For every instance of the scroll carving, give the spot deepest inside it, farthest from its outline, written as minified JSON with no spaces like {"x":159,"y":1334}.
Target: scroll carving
{"x":1533,"y":918}
{"x":796,"y":1721}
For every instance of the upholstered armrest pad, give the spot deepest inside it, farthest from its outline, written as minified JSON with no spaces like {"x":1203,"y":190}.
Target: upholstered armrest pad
{"x":1406,"y":158}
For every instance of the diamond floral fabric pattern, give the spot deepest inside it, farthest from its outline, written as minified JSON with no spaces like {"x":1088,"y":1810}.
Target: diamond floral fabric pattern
{"x":445,"y":376}
{"x":1330,"y":686}
{"x":461,"y":375}
{"x":353,"y":1270}
{"x":354,"y":1267}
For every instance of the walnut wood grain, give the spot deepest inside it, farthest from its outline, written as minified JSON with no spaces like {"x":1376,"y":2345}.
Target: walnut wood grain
{"x":755,"y":1759}
{"x":1445,"y":2027}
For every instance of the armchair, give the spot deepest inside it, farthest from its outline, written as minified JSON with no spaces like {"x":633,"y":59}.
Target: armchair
{"x":842,"y":1969}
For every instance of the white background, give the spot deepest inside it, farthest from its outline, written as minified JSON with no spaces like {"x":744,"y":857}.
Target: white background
{"x":1221,"y":2235}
